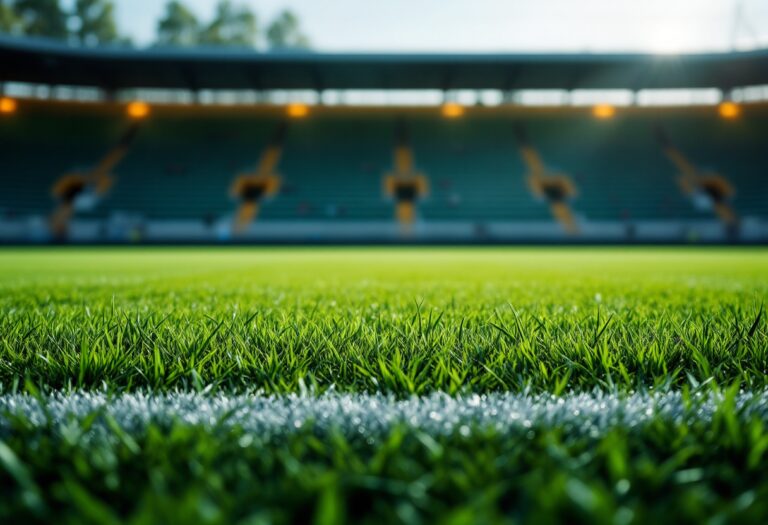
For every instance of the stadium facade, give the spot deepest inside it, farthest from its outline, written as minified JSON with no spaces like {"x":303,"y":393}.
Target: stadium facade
{"x":116,"y":165}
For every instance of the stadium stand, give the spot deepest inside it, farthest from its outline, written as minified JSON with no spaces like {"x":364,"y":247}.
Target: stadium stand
{"x":325,"y":170}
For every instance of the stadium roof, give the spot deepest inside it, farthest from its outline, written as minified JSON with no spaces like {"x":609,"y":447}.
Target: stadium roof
{"x":46,"y":62}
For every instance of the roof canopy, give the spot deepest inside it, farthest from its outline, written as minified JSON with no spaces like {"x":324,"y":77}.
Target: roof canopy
{"x":45,"y":62}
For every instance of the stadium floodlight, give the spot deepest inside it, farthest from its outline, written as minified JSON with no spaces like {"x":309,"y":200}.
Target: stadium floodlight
{"x":729,"y":110}
{"x":8,"y":106}
{"x":297,"y":110}
{"x":604,"y":111}
{"x":453,"y":110}
{"x":138,"y":110}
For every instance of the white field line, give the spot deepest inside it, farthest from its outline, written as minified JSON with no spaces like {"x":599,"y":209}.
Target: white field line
{"x":370,"y":416}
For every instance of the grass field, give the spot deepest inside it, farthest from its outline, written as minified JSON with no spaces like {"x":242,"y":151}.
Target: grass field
{"x":372,"y":385}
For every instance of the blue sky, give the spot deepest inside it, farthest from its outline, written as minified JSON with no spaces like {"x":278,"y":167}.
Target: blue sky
{"x":498,"y":25}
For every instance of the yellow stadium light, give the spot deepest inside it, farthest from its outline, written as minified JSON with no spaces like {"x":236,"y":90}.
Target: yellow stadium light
{"x":8,"y":106}
{"x":604,"y":111}
{"x":297,"y":110}
{"x":729,"y":110}
{"x":453,"y":110}
{"x":138,"y":110}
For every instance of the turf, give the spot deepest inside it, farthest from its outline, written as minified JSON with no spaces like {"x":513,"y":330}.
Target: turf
{"x":394,"y":321}
{"x":499,"y":459}
{"x":375,"y":385}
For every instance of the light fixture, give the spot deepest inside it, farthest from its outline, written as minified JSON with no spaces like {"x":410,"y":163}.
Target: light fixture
{"x":729,"y":110}
{"x":8,"y":106}
{"x":138,"y":110}
{"x":604,"y":111}
{"x":453,"y":110}
{"x":297,"y":110}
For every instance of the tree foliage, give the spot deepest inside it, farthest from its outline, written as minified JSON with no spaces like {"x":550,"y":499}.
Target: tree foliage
{"x":9,"y":20}
{"x":96,"y":22}
{"x":92,"y":22}
{"x":178,"y":27}
{"x":42,"y":18}
{"x":232,"y":24}
{"x":285,"y":32}
{"x":89,"y":22}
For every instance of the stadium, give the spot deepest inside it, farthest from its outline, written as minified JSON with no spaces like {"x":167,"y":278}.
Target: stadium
{"x":501,"y":173}
{"x":299,"y":286}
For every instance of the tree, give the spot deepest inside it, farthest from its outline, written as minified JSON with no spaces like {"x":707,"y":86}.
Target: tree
{"x":178,"y":27}
{"x":42,"y":18}
{"x":9,"y":21}
{"x":232,"y":25}
{"x":96,"y":22}
{"x":285,"y":32}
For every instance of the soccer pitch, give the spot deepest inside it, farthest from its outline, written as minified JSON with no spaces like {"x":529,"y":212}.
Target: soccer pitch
{"x":602,"y":385}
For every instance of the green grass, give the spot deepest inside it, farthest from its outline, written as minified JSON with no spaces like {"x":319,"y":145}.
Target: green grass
{"x":703,"y":463}
{"x":584,"y":385}
{"x":401,"y":321}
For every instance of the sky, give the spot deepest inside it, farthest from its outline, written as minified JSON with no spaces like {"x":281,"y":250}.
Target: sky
{"x":664,"y":26}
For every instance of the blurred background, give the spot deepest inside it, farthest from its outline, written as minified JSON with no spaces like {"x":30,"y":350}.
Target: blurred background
{"x":438,"y":121}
